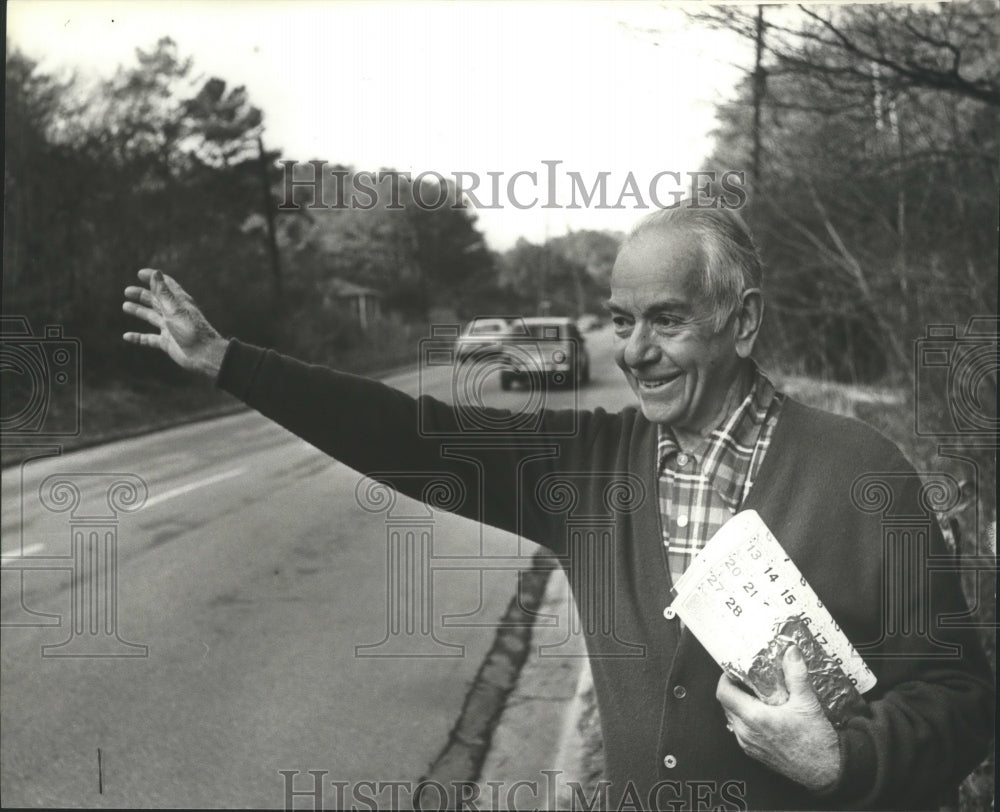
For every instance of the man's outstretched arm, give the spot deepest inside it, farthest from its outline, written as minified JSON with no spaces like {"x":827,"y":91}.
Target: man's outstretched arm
{"x":363,"y":423}
{"x":185,"y":334}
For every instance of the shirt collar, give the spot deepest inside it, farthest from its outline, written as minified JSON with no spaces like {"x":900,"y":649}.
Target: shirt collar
{"x":725,"y":460}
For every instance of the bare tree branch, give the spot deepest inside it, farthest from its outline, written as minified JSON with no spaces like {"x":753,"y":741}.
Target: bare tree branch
{"x":920,"y":74}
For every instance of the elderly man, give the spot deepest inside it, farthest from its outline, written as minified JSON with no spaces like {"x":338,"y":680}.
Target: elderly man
{"x":711,"y":436}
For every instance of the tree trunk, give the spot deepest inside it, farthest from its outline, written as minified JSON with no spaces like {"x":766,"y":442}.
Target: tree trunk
{"x":277,"y":289}
{"x":759,"y":88}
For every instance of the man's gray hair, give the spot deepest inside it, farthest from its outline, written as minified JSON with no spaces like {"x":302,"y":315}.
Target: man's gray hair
{"x":731,"y":263}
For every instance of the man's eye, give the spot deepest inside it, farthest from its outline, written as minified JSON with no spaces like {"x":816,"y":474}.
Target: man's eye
{"x":620,"y":323}
{"x":665,"y":322}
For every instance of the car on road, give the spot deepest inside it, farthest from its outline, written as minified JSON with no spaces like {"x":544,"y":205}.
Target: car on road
{"x":480,"y":336}
{"x":547,"y":347}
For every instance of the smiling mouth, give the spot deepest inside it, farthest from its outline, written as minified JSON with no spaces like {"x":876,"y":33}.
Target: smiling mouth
{"x":655,"y":384}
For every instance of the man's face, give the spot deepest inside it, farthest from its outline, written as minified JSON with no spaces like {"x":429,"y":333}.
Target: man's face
{"x":679,"y":365}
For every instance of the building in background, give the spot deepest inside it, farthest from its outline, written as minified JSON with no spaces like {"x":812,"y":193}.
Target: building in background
{"x":365,"y":304}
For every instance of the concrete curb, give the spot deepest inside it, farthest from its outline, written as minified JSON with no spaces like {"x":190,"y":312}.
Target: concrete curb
{"x":581,"y":736}
{"x":537,"y":746}
{"x":471,"y":737}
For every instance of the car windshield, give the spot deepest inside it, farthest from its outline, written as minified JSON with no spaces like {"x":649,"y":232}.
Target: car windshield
{"x":483,"y":328}
{"x":547,"y":330}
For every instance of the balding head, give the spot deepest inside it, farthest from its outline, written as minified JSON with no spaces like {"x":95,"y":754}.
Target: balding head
{"x":730,"y":263}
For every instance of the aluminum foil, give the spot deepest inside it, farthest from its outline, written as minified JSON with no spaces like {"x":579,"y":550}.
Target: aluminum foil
{"x":838,"y":696}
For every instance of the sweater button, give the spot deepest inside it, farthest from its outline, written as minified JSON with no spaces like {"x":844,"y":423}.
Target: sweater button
{"x":669,"y":762}
{"x":680,"y":691}
{"x":670,"y":613}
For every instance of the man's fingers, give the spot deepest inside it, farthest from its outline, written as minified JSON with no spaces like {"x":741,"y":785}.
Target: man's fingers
{"x":173,"y":285}
{"x":735,"y":701}
{"x":162,"y":285}
{"x":141,"y":295}
{"x":147,"y":314}
{"x":796,"y":674}
{"x":179,"y":294}
{"x":143,"y":339}
{"x":162,"y":291}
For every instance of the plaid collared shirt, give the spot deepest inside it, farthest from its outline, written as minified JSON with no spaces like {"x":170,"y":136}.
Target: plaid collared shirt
{"x":699,"y":494}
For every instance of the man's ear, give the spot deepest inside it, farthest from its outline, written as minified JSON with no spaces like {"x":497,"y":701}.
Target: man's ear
{"x":748,"y":321}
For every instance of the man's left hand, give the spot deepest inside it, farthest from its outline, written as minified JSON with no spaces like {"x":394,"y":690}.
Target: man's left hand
{"x":795,"y":739}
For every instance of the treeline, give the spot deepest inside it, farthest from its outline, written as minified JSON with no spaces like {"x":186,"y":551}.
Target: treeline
{"x":423,"y":251}
{"x":153,"y":168}
{"x":870,"y":134}
{"x":103,"y":181}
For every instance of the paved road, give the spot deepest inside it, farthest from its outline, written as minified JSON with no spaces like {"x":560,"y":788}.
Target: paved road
{"x":244,"y":585}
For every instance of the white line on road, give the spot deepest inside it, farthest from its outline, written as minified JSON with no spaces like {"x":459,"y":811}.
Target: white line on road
{"x":29,"y":549}
{"x":192,"y":486}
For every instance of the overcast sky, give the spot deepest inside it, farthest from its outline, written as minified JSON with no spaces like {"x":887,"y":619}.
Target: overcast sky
{"x":454,"y":87}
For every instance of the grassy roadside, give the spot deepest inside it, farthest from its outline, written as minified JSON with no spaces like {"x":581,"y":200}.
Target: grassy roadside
{"x":119,"y":408}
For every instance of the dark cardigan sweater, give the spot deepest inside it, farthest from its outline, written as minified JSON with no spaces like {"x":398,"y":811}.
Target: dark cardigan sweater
{"x":846,"y":506}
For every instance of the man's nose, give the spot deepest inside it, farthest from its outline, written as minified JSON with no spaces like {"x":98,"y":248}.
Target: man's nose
{"x":640,"y":348}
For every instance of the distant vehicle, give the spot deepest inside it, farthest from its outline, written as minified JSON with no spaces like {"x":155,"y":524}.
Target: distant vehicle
{"x":546,"y":346}
{"x":481,"y":335}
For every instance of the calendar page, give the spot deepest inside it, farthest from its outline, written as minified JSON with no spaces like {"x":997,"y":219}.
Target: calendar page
{"x":743,"y":591}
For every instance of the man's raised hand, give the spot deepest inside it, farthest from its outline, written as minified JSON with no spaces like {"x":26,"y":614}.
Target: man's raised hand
{"x":185,"y":334}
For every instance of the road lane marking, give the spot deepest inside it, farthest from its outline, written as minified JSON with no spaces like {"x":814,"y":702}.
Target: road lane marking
{"x":32,"y":549}
{"x":192,"y":486}
{"x":28,"y":549}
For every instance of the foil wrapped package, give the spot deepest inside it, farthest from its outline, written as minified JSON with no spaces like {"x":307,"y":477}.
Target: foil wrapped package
{"x":837,"y":694}
{"x":746,"y":601}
